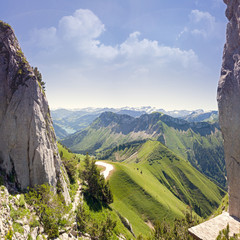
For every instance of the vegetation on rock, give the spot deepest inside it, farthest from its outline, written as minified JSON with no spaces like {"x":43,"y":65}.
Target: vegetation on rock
{"x":50,"y":209}
{"x":38,"y":75}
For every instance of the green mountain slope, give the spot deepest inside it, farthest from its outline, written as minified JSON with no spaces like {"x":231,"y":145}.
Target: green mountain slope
{"x":198,"y":142}
{"x":153,"y":183}
{"x":59,"y":131}
{"x":72,"y":121}
{"x":211,"y":116}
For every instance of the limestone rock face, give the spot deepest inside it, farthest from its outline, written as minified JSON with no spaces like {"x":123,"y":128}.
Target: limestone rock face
{"x":229,"y":104}
{"x":28,"y":150}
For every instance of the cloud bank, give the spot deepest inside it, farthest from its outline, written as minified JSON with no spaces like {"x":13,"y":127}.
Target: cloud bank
{"x":73,"y":55}
{"x":79,"y":34}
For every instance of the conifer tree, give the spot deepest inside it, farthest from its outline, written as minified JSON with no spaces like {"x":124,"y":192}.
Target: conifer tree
{"x":95,"y":183}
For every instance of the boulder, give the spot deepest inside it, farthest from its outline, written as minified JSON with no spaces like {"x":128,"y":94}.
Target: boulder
{"x":229,"y":104}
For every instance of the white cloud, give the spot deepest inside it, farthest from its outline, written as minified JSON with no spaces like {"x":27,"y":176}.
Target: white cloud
{"x":201,"y":24}
{"x":77,"y":38}
{"x":148,"y":52}
{"x":198,"y":16}
{"x":199,"y":32}
{"x":185,"y":30}
{"x":83,"y":25}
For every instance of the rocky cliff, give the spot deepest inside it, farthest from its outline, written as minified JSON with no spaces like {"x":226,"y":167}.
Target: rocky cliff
{"x":229,"y":104}
{"x":28,"y":150}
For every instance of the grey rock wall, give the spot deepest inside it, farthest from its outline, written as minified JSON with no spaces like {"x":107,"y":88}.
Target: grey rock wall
{"x":28,"y":150}
{"x":229,"y":104}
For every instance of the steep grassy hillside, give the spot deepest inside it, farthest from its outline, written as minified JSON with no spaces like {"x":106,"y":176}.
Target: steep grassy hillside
{"x":198,"y":142}
{"x":153,"y":183}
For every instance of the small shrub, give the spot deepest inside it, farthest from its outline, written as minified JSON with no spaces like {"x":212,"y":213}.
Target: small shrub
{"x":70,"y":166}
{"x":21,"y":201}
{"x":107,"y":228}
{"x":38,"y":75}
{"x":73,"y":190}
{"x":19,"y":213}
{"x":18,"y":228}
{"x":224,"y":235}
{"x":179,"y":229}
{"x":34,"y":223}
{"x":9,"y":234}
{"x":140,"y":237}
{"x":50,"y":208}
{"x":82,"y":218}
{"x":4,"y":25}
{"x":29,"y":237}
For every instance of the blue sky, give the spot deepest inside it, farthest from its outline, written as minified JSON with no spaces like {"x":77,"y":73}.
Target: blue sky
{"x":115,"y":53}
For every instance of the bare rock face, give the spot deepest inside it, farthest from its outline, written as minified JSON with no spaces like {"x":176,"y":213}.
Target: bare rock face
{"x":229,"y":104}
{"x":28,"y":150}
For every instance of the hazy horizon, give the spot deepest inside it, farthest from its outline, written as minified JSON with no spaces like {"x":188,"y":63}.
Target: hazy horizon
{"x":130,"y":107}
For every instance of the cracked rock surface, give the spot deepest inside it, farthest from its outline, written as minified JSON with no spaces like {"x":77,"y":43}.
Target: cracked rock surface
{"x":28,"y":150}
{"x":229,"y":104}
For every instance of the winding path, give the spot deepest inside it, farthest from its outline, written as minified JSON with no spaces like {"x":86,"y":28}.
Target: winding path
{"x":108,"y":168}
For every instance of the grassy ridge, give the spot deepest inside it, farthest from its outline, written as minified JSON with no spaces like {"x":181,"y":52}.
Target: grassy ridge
{"x":139,"y":197}
{"x":155,"y":184}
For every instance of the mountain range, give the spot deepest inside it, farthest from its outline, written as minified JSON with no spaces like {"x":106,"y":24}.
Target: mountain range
{"x":198,"y":142}
{"x":67,"y":121}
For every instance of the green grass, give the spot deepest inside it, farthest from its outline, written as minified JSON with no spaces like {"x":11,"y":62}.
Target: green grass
{"x":97,"y":139}
{"x":222,"y":207}
{"x":159,"y":186}
{"x":100,"y":215}
{"x":140,"y":197}
{"x":65,"y":152}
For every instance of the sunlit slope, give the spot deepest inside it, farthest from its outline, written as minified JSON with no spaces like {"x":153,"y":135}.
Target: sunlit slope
{"x":140,"y":197}
{"x":153,"y":183}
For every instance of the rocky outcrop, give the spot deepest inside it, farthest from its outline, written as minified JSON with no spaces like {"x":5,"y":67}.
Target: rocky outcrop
{"x":28,"y":150}
{"x":18,"y":219}
{"x":229,"y":104}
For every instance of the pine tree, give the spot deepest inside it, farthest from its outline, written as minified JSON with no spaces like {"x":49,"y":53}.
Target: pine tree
{"x":95,"y":182}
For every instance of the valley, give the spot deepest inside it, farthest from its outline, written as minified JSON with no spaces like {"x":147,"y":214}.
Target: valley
{"x":164,"y":167}
{"x":200,"y":143}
